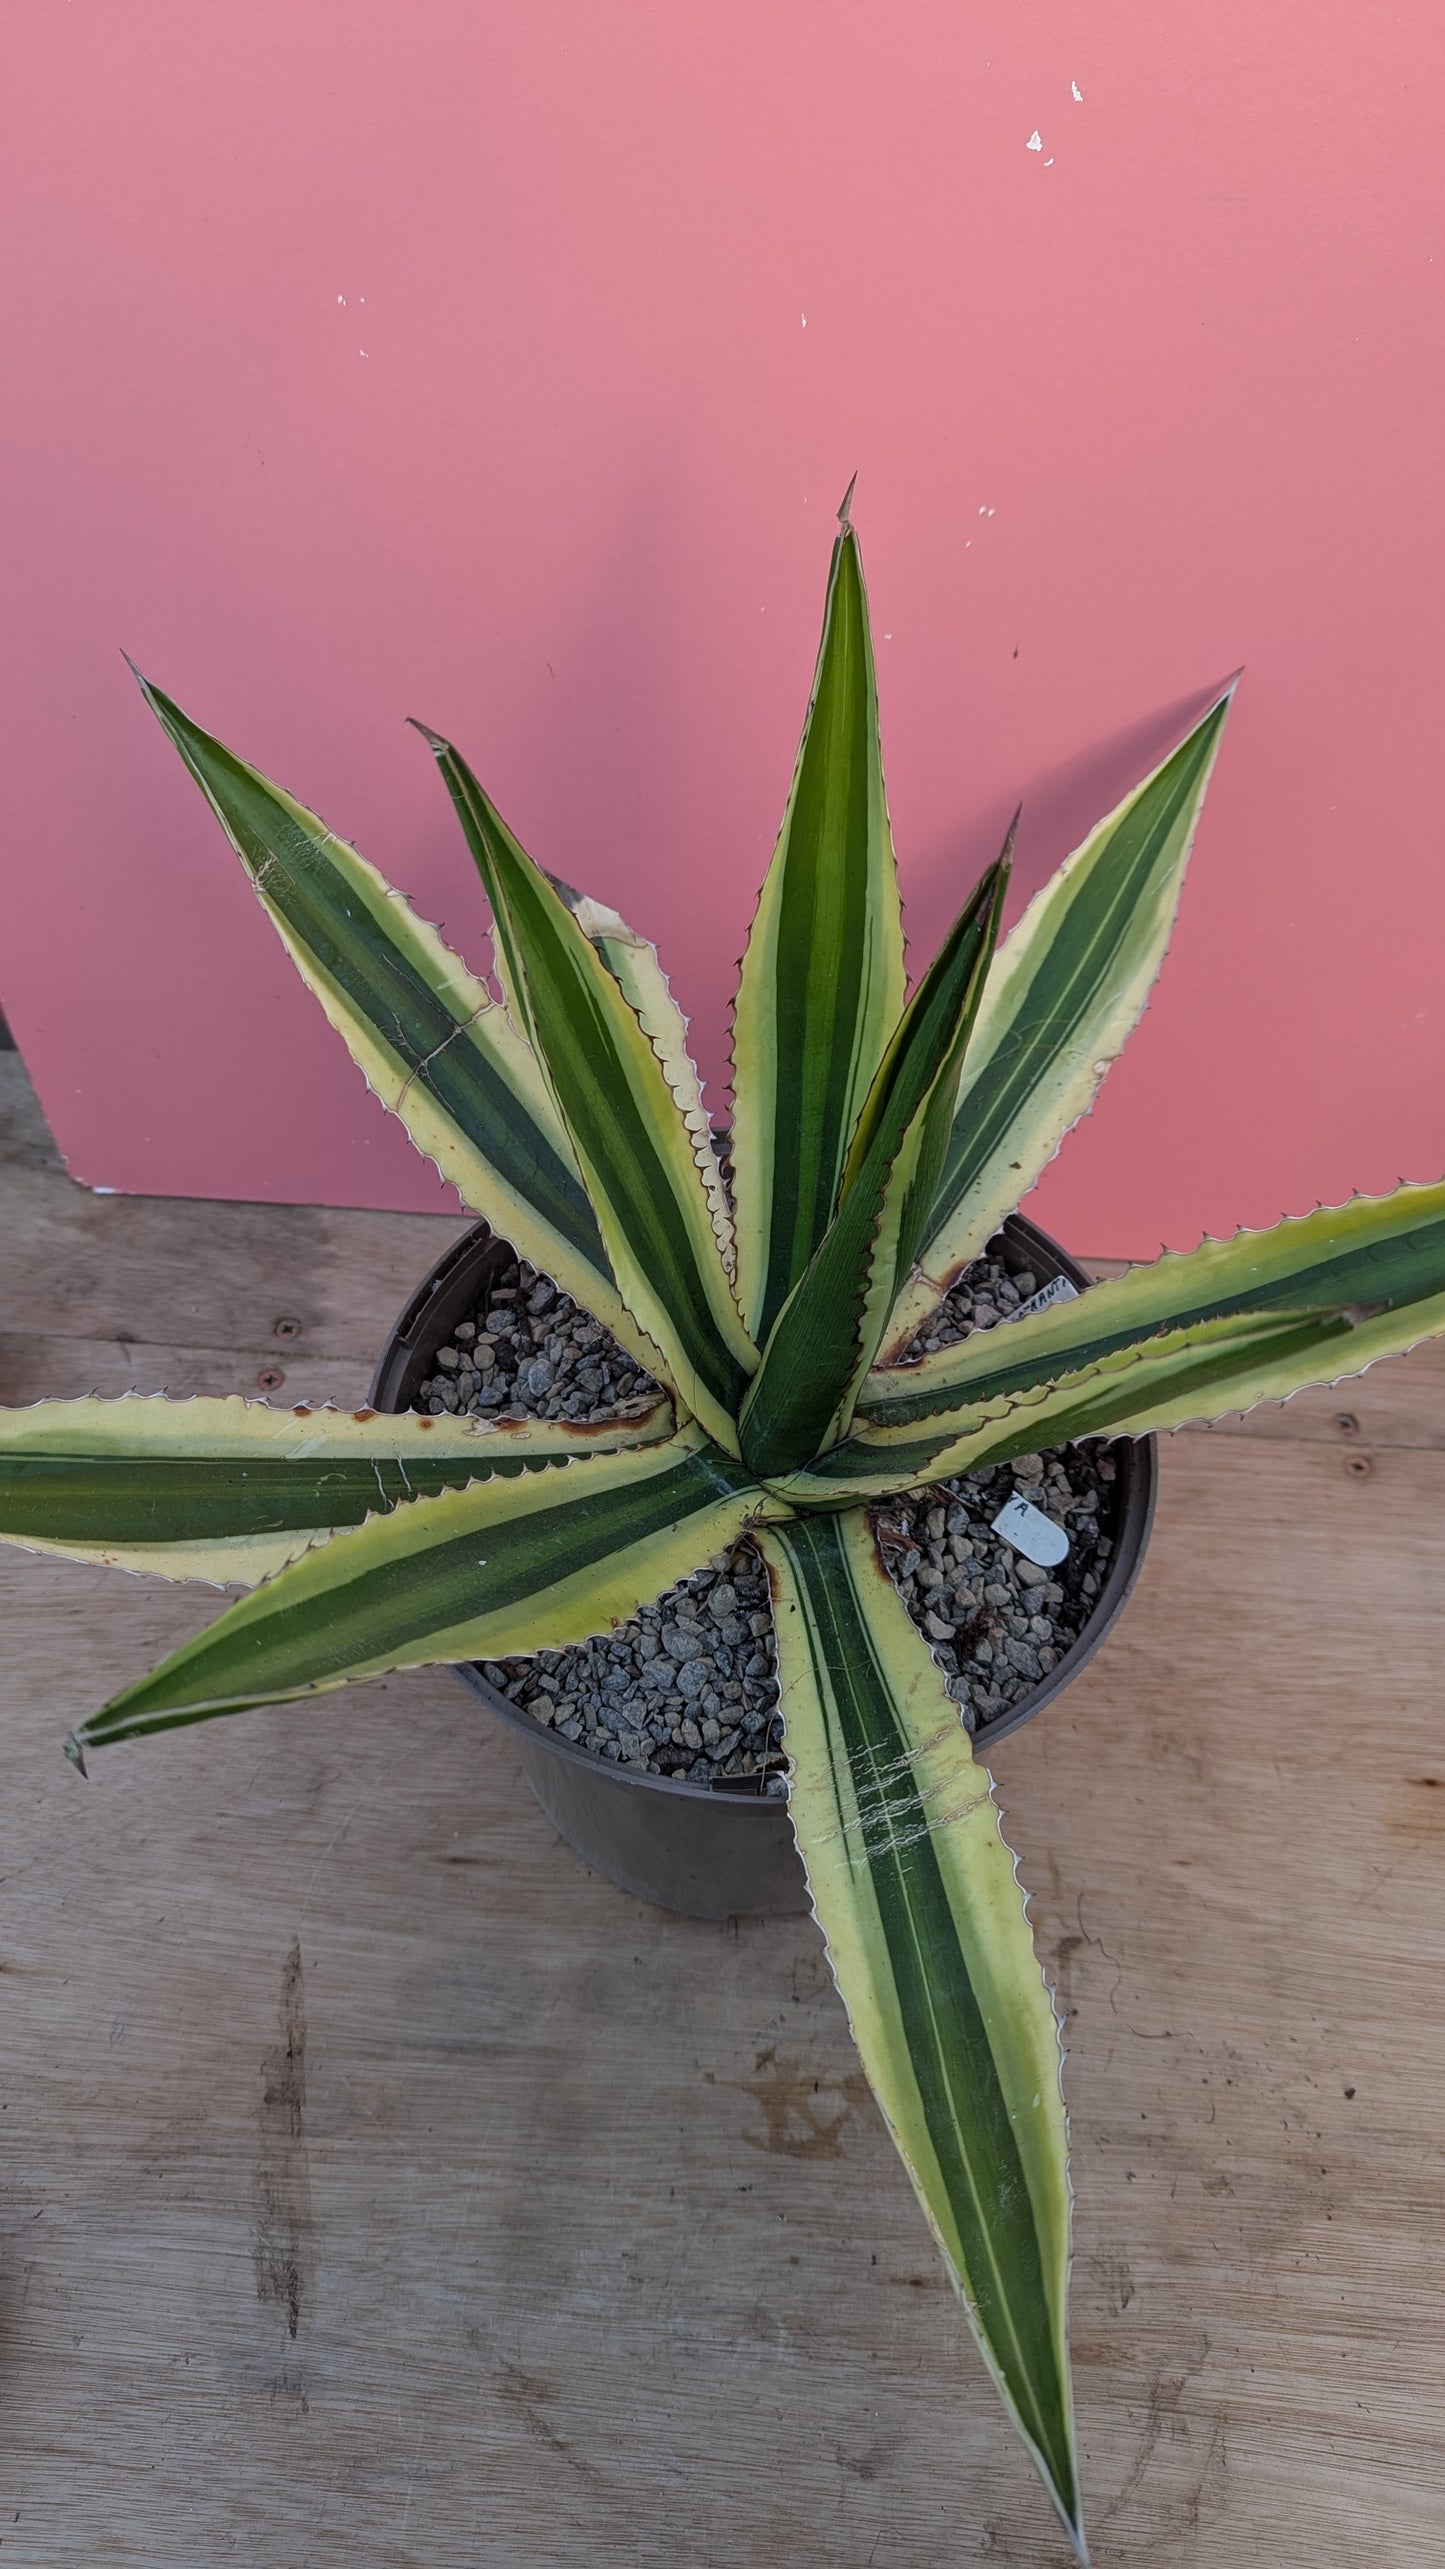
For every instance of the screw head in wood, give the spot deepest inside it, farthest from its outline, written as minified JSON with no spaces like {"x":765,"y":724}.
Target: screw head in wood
{"x":270,"y":1379}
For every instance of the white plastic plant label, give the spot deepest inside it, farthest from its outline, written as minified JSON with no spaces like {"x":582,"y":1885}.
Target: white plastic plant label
{"x":1059,"y":1290}
{"x":1032,"y":1533}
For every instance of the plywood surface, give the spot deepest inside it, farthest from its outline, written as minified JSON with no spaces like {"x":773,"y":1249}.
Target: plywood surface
{"x":379,"y":2188}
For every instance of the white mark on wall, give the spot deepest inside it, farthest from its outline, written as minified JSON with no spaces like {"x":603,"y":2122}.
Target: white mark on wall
{"x":341,"y":299}
{"x":1076,"y":93}
{"x":805,"y":321}
{"x":1049,"y":163}
{"x":1036,"y":141}
{"x":988,"y":512}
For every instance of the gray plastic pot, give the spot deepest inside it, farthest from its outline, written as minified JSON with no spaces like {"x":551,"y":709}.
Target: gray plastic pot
{"x":716,"y":1851}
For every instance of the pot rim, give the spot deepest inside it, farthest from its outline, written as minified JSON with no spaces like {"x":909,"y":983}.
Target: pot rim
{"x":449,"y":1291}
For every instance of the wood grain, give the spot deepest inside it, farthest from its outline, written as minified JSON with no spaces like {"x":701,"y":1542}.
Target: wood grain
{"x":380,"y":2188}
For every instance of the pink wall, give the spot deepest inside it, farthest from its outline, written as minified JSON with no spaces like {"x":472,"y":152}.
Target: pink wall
{"x":504,"y":364}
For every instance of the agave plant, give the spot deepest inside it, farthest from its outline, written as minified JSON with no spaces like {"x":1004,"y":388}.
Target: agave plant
{"x":878,"y":1142}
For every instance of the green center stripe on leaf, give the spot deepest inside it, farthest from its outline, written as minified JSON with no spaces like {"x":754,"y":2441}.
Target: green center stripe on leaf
{"x":617,"y":1132}
{"x":51,"y":1498}
{"x":611,"y":1091}
{"x":937,"y":2066}
{"x":1074,"y":965}
{"x":326,"y":917}
{"x":448,"y":1579}
{"x":1396,"y":1258}
{"x":822,"y":981}
{"x":963,"y":2104}
{"x":827,"y":1333}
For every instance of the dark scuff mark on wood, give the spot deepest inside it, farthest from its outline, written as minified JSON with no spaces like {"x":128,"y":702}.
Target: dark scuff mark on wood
{"x":283,"y":2241}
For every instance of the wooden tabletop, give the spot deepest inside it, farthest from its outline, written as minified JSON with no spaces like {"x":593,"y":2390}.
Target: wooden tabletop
{"x":377,"y":2187}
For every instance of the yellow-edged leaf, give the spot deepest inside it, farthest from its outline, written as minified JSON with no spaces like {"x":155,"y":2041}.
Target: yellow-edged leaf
{"x":634,"y":966}
{"x":1067,"y":987}
{"x":822,"y":981}
{"x":927,"y":1934}
{"x":522,"y":1563}
{"x":632,"y":1145}
{"x":229,"y":1491}
{"x":430,"y":1041}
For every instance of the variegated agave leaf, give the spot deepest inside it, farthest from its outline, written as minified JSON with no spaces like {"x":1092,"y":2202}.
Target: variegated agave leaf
{"x":1069,"y":985}
{"x":611,"y":1091}
{"x":229,"y":1490}
{"x":819,"y":1349}
{"x":915,"y":1891}
{"x":822,"y":983}
{"x":569,"y":1550}
{"x":1192,"y":1337}
{"x":426,"y":1034}
{"x":634,"y":966}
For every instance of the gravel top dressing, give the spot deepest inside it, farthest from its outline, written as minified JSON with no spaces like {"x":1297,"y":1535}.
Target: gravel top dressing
{"x":687,"y":1688}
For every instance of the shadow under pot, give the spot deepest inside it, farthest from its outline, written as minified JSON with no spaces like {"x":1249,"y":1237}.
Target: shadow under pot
{"x":724,"y":1848}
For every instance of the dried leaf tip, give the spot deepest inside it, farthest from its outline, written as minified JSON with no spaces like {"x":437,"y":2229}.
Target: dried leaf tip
{"x":76,"y":1755}
{"x":844,"y":520}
